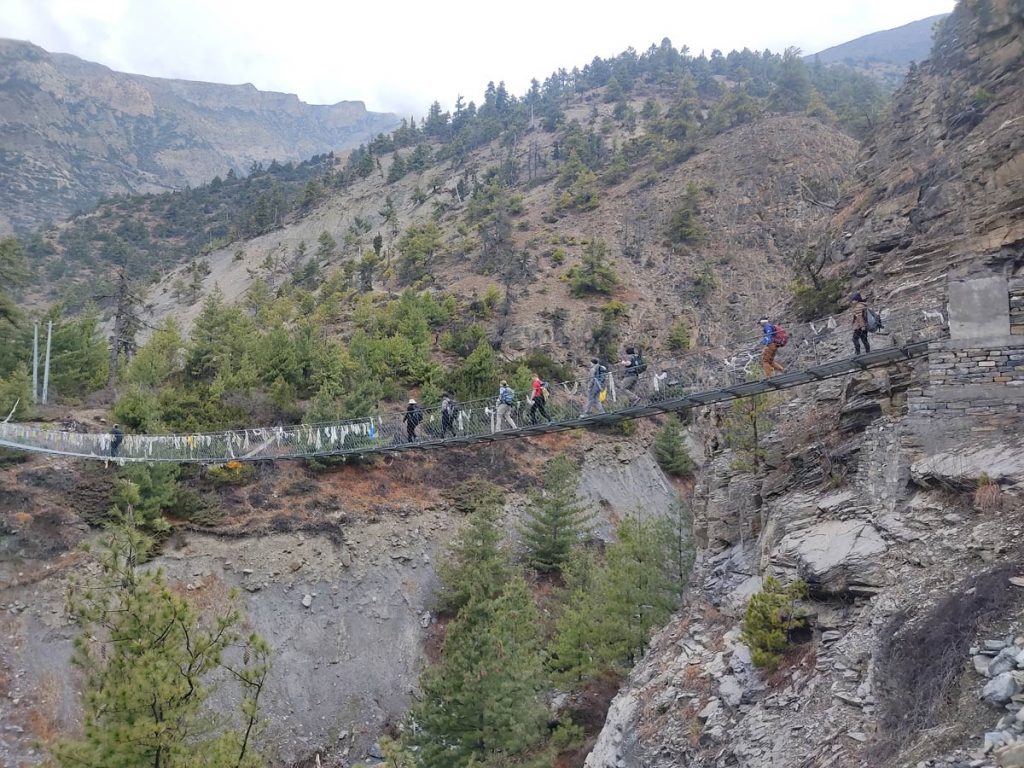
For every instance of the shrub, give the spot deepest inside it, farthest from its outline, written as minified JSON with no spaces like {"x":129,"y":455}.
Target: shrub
{"x":814,"y":301}
{"x":679,"y":335}
{"x":231,"y":473}
{"x":771,"y":615}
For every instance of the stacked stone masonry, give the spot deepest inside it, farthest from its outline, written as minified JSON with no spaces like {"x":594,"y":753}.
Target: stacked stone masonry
{"x":983,"y":385}
{"x":1017,"y":310}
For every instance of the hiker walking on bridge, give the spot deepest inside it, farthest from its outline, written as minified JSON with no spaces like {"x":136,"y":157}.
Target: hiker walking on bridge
{"x":116,"y":438}
{"x":774,"y":337}
{"x":859,"y":321}
{"x":506,"y":399}
{"x":635,"y":365}
{"x":412,"y":418}
{"x":595,"y":386}
{"x":539,"y":400}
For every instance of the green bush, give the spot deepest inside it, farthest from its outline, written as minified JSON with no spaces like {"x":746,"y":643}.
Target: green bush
{"x":814,"y":301}
{"x":679,"y":335}
{"x":772,"y":614}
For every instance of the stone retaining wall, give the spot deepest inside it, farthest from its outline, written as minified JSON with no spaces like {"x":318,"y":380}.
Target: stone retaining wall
{"x":974,"y":387}
{"x":1017,"y":309}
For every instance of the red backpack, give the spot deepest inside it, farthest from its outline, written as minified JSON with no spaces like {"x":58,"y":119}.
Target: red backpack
{"x":780,"y":337}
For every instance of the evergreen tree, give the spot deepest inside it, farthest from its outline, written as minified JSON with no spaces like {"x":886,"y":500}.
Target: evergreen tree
{"x":149,"y":662}
{"x":593,"y":274}
{"x":606,"y":625}
{"x":746,"y":423}
{"x":13,"y":272}
{"x":670,"y":450}
{"x":770,"y":616}
{"x":556,"y":517}
{"x":477,"y":566}
{"x":482,"y":700}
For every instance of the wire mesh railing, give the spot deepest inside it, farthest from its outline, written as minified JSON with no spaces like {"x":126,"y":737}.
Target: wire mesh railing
{"x":571,"y":403}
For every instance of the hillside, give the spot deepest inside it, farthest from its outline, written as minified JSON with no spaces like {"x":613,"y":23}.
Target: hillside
{"x":75,"y":132}
{"x":658,"y":199}
{"x":885,"y":55}
{"x":876,"y":506}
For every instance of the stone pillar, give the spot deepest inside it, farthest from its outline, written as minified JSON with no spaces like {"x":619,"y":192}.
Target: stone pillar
{"x":979,"y":308}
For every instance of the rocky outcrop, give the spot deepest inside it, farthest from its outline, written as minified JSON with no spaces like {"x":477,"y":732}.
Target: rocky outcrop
{"x":940,"y":184}
{"x":75,"y":131}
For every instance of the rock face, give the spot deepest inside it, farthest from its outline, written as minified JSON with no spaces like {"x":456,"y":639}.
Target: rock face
{"x":902,"y":539}
{"x":940,"y":186}
{"x":74,"y":131}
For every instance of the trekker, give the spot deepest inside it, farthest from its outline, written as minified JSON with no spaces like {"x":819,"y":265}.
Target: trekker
{"x":506,"y":399}
{"x":635,"y":365}
{"x":116,"y":438}
{"x":595,"y":386}
{"x":859,"y":320}
{"x":412,"y":418}
{"x":449,"y":410}
{"x":539,"y":400}
{"x":771,"y":342}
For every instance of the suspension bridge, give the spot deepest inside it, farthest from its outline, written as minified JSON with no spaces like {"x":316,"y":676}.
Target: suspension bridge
{"x":703,"y":377}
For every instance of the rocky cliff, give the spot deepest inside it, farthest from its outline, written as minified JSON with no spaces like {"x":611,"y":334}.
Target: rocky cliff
{"x":73,"y":131}
{"x":897,"y":497}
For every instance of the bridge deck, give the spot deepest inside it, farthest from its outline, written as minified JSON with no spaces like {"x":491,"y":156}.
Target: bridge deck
{"x":305,"y":442}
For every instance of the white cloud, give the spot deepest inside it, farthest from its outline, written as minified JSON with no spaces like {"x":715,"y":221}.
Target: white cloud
{"x":401,"y":55}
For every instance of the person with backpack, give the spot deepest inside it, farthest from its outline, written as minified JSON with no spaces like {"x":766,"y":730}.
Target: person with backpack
{"x":412,"y":418}
{"x":116,"y":438}
{"x":449,"y":412}
{"x":859,"y":320}
{"x":506,"y":399}
{"x":540,"y":395}
{"x":596,"y":380}
{"x":774,"y":338}
{"x":635,"y":365}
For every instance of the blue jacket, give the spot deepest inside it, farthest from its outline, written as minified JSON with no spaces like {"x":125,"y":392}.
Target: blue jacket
{"x":769,"y":334}
{"x":506,"y":395}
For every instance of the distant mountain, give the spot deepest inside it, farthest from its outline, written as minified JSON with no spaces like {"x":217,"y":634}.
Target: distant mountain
{"x":885,"y":55}
{"x":72,"y":132}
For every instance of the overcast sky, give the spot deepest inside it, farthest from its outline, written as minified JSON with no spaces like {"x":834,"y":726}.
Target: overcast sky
{"x":398,"y":56}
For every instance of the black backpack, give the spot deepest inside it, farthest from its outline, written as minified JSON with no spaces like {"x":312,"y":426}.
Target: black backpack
{"x":602,"y":374}
{"x":639,"y":364}
{"x":873,"y":321}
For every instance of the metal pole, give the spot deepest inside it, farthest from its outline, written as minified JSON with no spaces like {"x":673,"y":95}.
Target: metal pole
{"x":35,"y":364}
{"x":46,"y":366}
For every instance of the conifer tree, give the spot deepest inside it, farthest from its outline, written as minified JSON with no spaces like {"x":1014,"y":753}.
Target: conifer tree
{"x":606,"y":624}
{"x":149,"y":660}
{"x":556,"y":517}
{"x":670,"y":450}
{"x":482,"y":700}
{"x":477,"y":565}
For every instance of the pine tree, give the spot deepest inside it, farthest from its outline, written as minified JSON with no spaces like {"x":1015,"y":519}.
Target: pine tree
{"x":670,"y":450}
{"x":556,"y":517}
{"x":746,"y":423}
{"x":483,"y":699}
{"x":149,"y":663}
{"x":477,"y":565}
{"x":771,"y":614}
{"x":606,"y":624}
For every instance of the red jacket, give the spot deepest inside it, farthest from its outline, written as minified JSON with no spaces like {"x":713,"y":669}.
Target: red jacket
{"x":538,"y":388}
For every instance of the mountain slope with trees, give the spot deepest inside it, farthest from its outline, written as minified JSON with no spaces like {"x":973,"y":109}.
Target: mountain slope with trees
{"x":76,"y":132}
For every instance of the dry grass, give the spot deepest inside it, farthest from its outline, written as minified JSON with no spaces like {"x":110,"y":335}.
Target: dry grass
{"x":922,"y":655}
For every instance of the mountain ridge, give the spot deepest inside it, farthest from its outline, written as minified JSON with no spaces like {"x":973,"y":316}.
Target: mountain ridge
{"x":77,"y":131}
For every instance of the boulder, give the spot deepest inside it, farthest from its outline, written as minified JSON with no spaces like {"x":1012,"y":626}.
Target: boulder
{"x":1006,"y":661}
{"x":1011,"y":756}
{"x":834,"y":557}
{"x":1000,"y":689}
